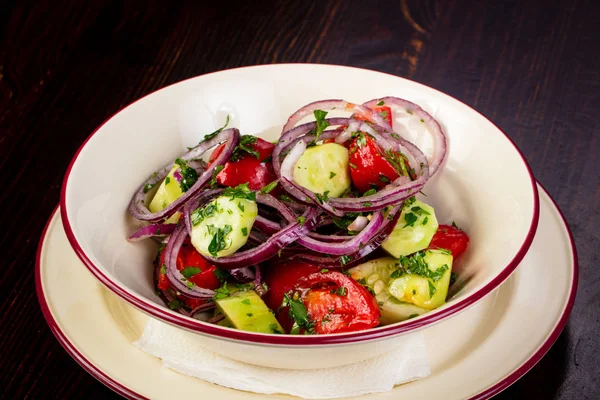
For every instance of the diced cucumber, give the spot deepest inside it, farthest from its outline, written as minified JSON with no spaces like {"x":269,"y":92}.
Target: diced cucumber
{"x":168,"y":191}
{"x":248,"y":312}
{"x":412,"y":234}
{"x":324,"y":168}
{"x":423,"y":291}
{"x":222,"y":226}
{"x":376,"y":275}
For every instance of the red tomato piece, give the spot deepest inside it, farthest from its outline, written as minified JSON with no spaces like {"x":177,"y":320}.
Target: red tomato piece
{"x":450,"y":238}
{"x":337,"y":303}
{"x":189,"y":257}
{"x":248,"y":169}
{"x":368,"y":167}
{"x":281,"y":279}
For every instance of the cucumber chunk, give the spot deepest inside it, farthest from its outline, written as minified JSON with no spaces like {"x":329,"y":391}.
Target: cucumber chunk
{"x":324,"y":168}
{"x":222,"y":226}
{"x":168,"y":191}
{"x":376,"y":275}
{"x":422,"y":291}
{"x":412,"y":234}
{"x":248,"y":312}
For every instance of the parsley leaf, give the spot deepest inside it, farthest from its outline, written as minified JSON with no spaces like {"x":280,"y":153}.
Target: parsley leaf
{"x":341,"y":291}
{"x":215,"y":133}
{"x":322,"y":124}
{"x":174,"y":304}
{"x":380,"y":103}
{"x":410,"y":219}
{"x":189,"y":175}
{"x":245,"y":231}
{"x":332,"y":174}
{"x":222,"y":292}
{"x":218,"y":241}
{"x":269,"y":187}
{"x":188,"y":272}
{"x":298,"y":313}
{"x":322,"y":198}
{"x":241,"y":191}
{"x":345,"y":260}
{"x":369,"y":192}
{"x":384,"y":179}
{"x":301,"y":220}
{"x":213,"y":178}
{"x":148,"y":187}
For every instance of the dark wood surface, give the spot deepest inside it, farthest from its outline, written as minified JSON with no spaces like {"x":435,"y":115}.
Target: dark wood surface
{"x":532,"y":67}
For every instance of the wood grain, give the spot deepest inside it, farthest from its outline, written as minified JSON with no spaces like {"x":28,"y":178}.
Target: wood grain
{"x":532,"y":67}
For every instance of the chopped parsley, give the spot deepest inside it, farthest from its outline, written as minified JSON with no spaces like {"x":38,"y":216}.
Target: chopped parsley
{"x":245,"y":148}
{"x":369,"y":192}
{"x":419,"y":211}
{"x":322,"y":124}
{"x":380,"y":103}
{"x":353,"y":166}
{"x":416,"y":264}
{"x":174,"y":304}
{"x":188,"y":272}
{"x":445,"y":251}
{"x":345,"y":260}
{"x":222,"y":274}
{"x":367,"y":204}
{"x":241,"y":206}
{"x":301,"y":220}
{"x":222,"y":292}
{"x":411,"y":316}
{"x":287,"y":198}
{"x":432,"y":289}
{"x":188,"y":174}
{"x":341,"y":291}
{"x":331,"y":174}
{"x":167,"y":180}
{"x":207,"y":211}
{"x":148,"y":187}
{"x":396,"y":136}
{"x":249,"y":314}
{"x":218,"y":241}
{"x":298,"y":313}
{"x":410,"y":219}
{"x":425,"y":221}
{"x":213,"y":178}
{"x":456,"y":226}
{"x":384,"y":179}
{"x":245,"y":231}
{"x":269,"y":187}
{"x":322,"y":198}
{"x":215,"y":133}
{"x":241,"y":191}
{"x":324,"y":270}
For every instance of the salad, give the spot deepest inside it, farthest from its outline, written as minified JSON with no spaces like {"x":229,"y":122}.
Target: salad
{"x":319,"y":232}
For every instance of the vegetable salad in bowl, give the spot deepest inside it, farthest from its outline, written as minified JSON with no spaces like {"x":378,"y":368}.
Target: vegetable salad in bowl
{"x":319,"y":232}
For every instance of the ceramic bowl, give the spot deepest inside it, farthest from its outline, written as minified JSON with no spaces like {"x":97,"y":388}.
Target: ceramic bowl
{"x":485,"y":186}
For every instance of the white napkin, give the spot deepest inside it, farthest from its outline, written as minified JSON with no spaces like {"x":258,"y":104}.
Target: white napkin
{"x":181,"y":351}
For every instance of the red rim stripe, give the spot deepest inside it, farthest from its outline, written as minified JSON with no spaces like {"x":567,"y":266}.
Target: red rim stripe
{"x":131,"y":394}
{"x":169,"y":316}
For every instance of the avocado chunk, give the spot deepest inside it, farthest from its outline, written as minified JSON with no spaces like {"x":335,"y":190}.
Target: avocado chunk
{"x":248,"y":312}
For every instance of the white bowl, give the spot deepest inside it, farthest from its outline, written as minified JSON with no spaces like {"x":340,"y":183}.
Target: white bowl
{"x":485,"y":186}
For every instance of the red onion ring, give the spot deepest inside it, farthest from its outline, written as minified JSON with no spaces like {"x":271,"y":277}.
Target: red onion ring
{"x":137,"y":207}
{"x":152,"y":230}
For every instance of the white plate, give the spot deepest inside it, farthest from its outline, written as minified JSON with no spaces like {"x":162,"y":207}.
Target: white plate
{"x":475,"y":354}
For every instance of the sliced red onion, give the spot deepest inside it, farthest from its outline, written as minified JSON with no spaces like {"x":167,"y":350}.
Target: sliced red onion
{"x":243,"y":274}
{"x":347,"y":133}
{"x":137,"y":207}
{"x":258,"y":287}
{"x":265,"y":225}
{"x":349,"y":260}
{"x":358,"y":224}
{"x":439,"y":138}
{"x":347,"y":247}
{"x":268,"y":249}
{"x":326,"y":105}
{"x":151,"y":231}
{"x":176,"y":279}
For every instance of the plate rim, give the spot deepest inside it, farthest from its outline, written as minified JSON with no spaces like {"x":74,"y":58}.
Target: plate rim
{"x":164,"y":314}
{"x":496,"y":388}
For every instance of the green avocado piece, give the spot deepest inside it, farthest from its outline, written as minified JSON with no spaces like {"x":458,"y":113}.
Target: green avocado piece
{"x":248,"y":312}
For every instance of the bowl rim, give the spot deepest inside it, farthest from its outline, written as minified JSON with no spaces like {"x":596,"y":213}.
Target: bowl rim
{"x":162,"y":313}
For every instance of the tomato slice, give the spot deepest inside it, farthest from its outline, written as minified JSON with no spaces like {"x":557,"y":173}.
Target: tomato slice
{"x":281,"y":279}
{"x":201,"y":273}
{"x":369,"y":169}
{"x":337,"y":303}
{"x":248,"y":169}
{"x":451,"y":238}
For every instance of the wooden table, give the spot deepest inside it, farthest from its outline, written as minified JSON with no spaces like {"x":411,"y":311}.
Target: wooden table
{"x":532,"y":67}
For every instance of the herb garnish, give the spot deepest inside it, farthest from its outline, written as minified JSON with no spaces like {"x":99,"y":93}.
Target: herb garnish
{"x":244,"y":147}
{"x":298,"y":313}
{"x":241,"y":191}
{"x":380,"y":103}
{"x":189,"y":175}
{"x":207,"y":211}
{"x":369,"y":192}
{"x":188,"y":272}
{"x":322,"y":198}
{"x":269,"y":187}
{"x":410,"y":219}
{"x":384,"y":179}
{"x":301,"y":220}
{"x":218,"y":242}
{"x":341,"y":291}
{"x":148,"y":187}
{"x":345,"y":260}
{"x":222,"y":292}
{"x":332,"y":174}
{"x":174,"y":304}
{"x":245,"y":231}
{"x":322,"y":124}
{"x":213,"y":134}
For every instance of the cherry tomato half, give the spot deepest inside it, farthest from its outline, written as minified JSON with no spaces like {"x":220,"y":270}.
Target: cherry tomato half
{"x":450,"y":238}
{"x":337,"y":303}
{"x":248,"y":169}
{"x":368,"y":166}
